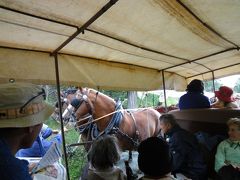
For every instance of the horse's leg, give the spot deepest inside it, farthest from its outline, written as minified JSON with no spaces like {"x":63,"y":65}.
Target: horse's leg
{"x":129,"y":156}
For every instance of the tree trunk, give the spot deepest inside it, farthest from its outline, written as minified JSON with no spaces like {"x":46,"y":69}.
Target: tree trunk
{"x":132,"y":99}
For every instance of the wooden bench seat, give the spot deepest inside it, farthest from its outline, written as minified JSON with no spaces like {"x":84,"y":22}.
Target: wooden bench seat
{"x":210,"y":120}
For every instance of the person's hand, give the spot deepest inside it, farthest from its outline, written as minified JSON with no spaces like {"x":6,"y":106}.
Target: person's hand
{"x":31,"y":166}
{"x":237,"y":167}
{"x":227,"y":162}
{"x":55,"y":131}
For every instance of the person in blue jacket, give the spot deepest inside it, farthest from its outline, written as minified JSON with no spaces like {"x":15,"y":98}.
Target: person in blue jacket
{"x":22,"y":113}
{"x":187,"y":158}
{"x":194,"y":97}
{"x":41,"y":144}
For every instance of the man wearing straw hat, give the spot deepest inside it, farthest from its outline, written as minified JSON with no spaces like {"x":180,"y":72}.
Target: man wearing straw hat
{"x":22,"y":113}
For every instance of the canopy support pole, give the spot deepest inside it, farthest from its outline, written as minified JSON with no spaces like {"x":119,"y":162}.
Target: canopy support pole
{"x":213,"y":81}
{"x":60,"y":113}
{"x":164,"y":92}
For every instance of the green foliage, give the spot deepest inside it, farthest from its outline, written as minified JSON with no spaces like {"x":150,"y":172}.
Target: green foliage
{"x":149,"y":100}
{"x":116,"y":95}
{"x":237,"y":86}
{"x":51,"y":91}
{"x":76,"y":163}
{"x":172,"y":101}
{"x":208,"y":85}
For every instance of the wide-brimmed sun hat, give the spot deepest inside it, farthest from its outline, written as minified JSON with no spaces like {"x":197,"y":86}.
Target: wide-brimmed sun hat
{"x":225,"y":94}
{"x":22,"y":105}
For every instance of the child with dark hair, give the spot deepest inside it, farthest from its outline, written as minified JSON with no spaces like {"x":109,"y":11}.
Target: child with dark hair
{"x":103,"y":156}
{"x":154,"y":159}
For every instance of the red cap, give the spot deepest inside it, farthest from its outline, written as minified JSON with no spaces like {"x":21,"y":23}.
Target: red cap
{"x":225,"y":94}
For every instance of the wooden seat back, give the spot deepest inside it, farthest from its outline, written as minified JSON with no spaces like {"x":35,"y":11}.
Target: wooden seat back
{"x":210,"y":120}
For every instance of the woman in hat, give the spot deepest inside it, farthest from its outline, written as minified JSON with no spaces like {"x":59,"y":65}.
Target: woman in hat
{"x":22,"y":113}
{"x":224,"y":98}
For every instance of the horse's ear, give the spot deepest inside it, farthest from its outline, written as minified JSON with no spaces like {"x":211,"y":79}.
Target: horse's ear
{"x":80,"y":89}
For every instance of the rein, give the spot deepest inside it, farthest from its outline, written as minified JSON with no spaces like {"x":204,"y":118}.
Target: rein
{"x":95,"y":120}
{"x":109,"y":114}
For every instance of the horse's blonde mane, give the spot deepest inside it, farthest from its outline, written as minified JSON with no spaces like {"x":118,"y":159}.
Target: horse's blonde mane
{"x":95,"y":91}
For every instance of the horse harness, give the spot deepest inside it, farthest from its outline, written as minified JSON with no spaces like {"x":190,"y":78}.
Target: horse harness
{"x":113,"y":125}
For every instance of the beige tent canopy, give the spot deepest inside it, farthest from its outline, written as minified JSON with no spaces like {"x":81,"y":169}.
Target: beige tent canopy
{"x":119,"y":44}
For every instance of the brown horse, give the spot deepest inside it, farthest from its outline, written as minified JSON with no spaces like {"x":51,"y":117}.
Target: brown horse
{"x":68,"y":118}
{"x":130,"y":126}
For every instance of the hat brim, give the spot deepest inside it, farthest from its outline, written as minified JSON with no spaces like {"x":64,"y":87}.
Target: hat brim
{"x":28,"y":121}
{"x":225,"y":99}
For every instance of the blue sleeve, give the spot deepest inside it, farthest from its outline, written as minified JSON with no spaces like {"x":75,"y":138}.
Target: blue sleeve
{"x":208,"y":104}
{"x":47,"y":143}
{"x":178,"y":153}
{"x":180,"y":103}
{"x":46,"y":133}
{"x":36,"y":150}
{"x":57,"y":138}
{"x":14,"y":169}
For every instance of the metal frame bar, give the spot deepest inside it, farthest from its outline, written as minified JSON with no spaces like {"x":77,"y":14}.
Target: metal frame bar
{"x":60,"y":112}
{"x":84,"y":26}
{"x":203,"y":57}
{"x":214,"y":70}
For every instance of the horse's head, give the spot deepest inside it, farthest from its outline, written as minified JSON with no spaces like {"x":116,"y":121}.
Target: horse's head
{"x":82,"y":105}
{"x":92,"y":105}
{"x":66,"y":97}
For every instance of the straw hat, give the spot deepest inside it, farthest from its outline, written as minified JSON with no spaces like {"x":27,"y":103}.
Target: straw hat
{"x":22,"y":105}
{"x":225,"y":94}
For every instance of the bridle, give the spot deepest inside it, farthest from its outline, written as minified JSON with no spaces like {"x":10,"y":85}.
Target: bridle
{"x":82,"y":98}
{"x":67,"y":115}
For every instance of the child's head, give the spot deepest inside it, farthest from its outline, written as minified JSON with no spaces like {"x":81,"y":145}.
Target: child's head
{"x":104,"y":152}
{"x":154,"y":157}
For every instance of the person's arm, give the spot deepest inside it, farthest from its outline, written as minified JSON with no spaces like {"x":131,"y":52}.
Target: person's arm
{"x":178,"y":152}
{"x":46,"y":132}
{"x":180,"y":103}
{"x":220,"y":157}
{"x":208,"y":104}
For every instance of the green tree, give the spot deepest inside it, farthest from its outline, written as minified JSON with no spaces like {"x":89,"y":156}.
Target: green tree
{"x":149,"y":100}
{"x":208,"y":85}
{"x":237,"y":86}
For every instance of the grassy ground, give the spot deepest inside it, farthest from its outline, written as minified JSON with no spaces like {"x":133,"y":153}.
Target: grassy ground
{"x":76,"y":158}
